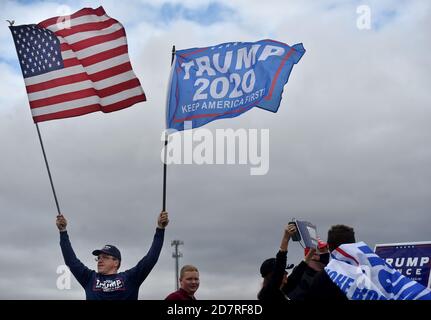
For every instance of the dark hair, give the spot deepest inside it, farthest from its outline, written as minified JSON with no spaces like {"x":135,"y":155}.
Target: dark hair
{"x":267,"y":267}
{"x":340,"y":234}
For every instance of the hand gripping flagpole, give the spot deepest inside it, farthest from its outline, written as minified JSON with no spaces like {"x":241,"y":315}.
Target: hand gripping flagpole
{"x":166,"y":151}
{"x":11,"y":23}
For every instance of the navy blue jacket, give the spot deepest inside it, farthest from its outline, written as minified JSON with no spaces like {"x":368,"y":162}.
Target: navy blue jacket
{"x":121,"y":286}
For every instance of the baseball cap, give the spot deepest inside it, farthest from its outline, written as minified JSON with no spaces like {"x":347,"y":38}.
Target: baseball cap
{"x":109,"y":249}
{"x":268,"y":266}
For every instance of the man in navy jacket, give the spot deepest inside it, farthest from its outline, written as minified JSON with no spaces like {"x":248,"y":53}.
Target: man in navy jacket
{"x":107,"y":283}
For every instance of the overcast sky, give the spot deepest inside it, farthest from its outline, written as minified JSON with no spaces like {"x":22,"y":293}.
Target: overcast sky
{"x":351,"y":144}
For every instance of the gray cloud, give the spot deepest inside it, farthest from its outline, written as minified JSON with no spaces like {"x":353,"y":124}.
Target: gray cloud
{"x":350,"y":144}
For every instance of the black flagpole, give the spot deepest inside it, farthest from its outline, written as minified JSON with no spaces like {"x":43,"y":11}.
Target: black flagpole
{"x":47,"y":167}
{"x":166,"y":151}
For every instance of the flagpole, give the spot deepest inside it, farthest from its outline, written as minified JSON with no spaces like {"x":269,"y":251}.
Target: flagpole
{"x":166,"y":151}
{"x":47,"y":167}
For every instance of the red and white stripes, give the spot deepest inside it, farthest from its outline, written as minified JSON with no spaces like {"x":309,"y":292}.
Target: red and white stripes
{"x":97,"y":74}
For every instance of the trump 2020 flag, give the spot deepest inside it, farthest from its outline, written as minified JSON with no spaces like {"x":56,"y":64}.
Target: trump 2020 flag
{"x":363,"y":275}
{"x":77,"y":64}
{"x":227,"y":80}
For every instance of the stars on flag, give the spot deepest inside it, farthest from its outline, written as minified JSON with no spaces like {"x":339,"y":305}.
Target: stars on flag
{"x":38,"y":50}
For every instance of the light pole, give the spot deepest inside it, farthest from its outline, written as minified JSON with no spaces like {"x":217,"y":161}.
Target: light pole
{"x":176,"y":255}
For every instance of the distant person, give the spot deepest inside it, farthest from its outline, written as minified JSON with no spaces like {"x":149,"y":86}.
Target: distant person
{"x":273,"y":270}
{"x":189,"y":284}
{"x":107,"y":283}
{"x":301,"y":278}
{"x":322,"y":287}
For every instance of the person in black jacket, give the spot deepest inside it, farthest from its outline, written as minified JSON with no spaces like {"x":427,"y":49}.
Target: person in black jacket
{"x":273,"y":271}
{"x":322,"y":287}
{"x":301,"y":278}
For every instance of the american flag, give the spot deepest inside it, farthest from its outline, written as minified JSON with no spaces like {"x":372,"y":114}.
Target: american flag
{"x":77,"y":64}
